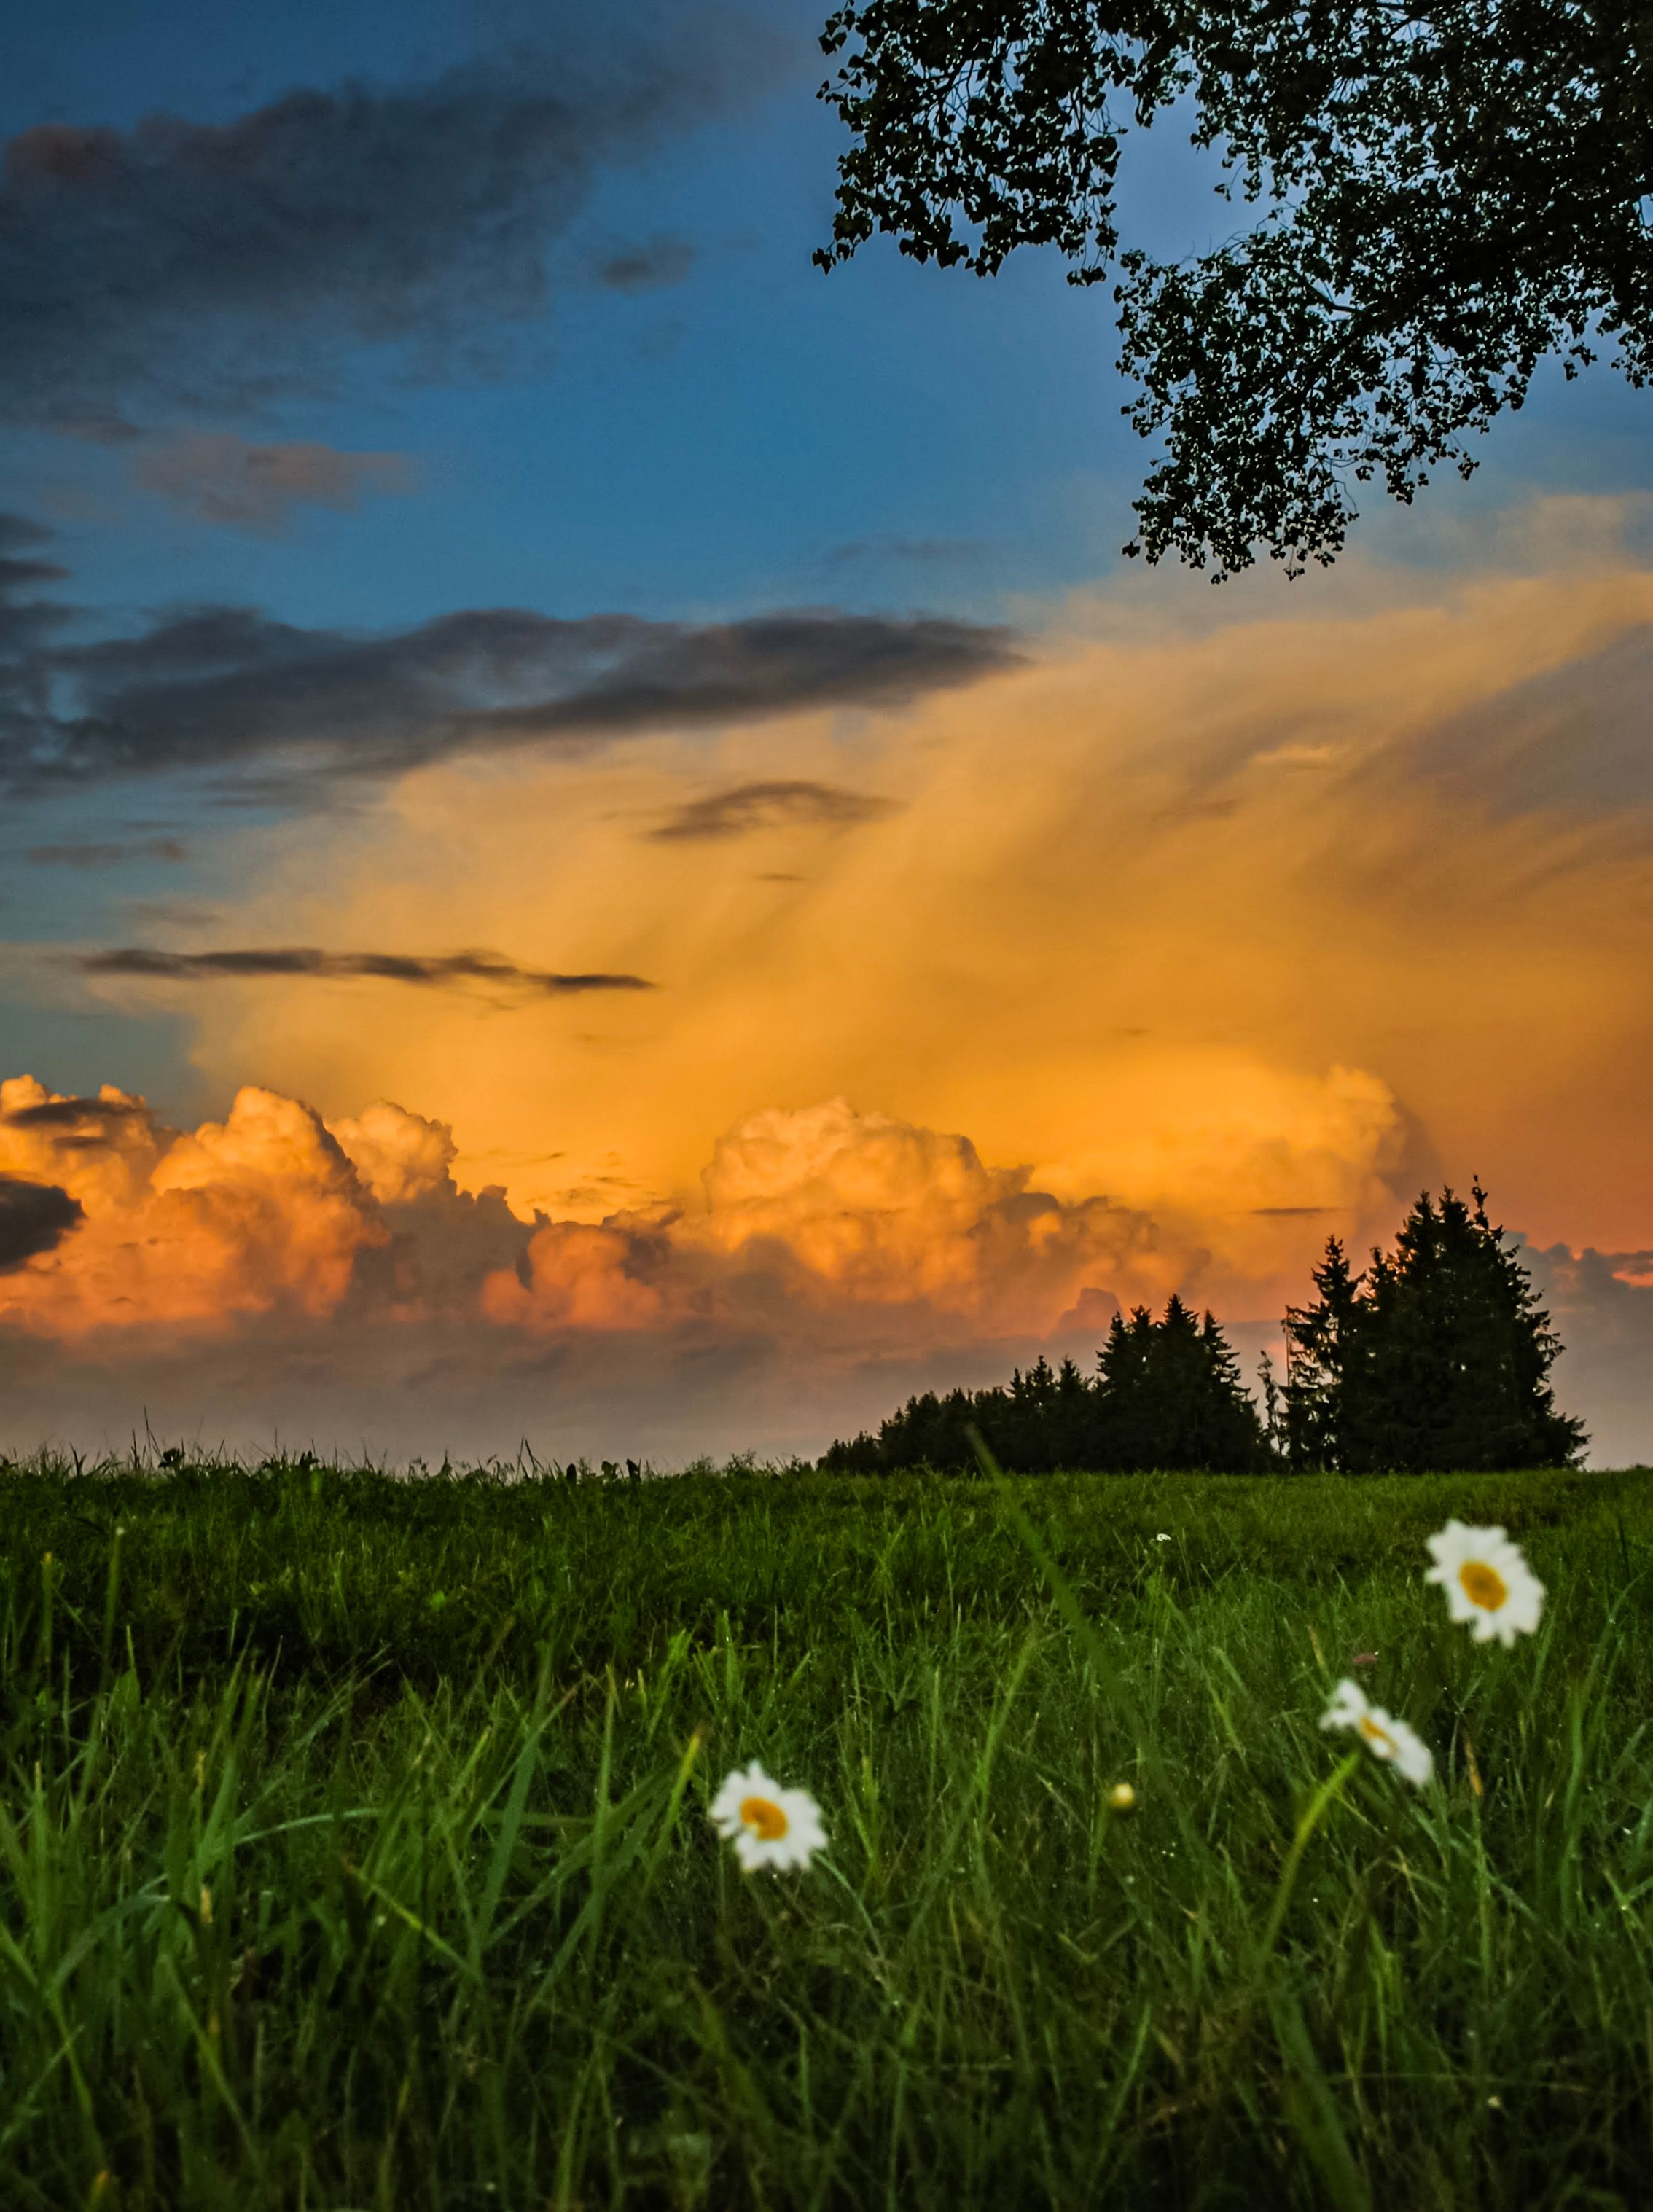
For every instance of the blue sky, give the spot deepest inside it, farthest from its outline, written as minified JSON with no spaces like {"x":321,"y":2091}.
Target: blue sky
{"x":753,"y":435}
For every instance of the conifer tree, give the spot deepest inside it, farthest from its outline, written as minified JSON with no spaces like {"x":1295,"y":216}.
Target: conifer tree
{"x":1168,"y":1395}
{"x":1438,"y":1357}
{"x":1320,"y":1362}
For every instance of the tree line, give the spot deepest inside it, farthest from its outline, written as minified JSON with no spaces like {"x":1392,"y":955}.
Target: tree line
{"x":1436,"y":1356}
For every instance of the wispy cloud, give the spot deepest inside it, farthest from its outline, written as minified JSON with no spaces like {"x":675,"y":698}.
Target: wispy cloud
{"x":107,"y":855}
{"x":647,"y":268}
{"x":448,"y":970}
{"x":214,"y":477}
{"x":181,"y":264}
{"x":745,"y":807}
{"x":216,"y":689}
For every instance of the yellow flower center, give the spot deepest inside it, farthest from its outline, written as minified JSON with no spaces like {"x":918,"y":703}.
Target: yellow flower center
{"x":764,"y":1818}
{"x":1374,"y":1733}
{"x":1483,"y":1585}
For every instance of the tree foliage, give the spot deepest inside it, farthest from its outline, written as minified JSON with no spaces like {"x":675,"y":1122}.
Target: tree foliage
{"x":1438,"y":1357}
{"x":1440,"y":195}
{"x":1166,"y":1393}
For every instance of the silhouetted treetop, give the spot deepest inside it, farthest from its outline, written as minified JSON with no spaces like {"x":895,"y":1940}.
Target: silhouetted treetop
{"x":1440,"y":196}
{"x":1165,"y":1393}
{"x":1438,"y":1357}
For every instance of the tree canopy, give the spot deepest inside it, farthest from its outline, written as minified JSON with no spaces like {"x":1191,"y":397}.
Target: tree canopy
{"x":1441,"y":194}
{"x":1438,"y":1357}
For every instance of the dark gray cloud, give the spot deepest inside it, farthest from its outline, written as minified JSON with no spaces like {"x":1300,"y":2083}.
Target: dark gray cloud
{"x":182,"y":264}
{"x":221,"y":689}
{"x":90,"y":1119}
{"x":214,"y":477}
{"x":107,"y":855}
{"x":17,"y":530}
{"x":33,"y":1216}
{"x":25,"y":617}
{"x":748,"y":806}
{"x":448,"y":970}
{"x":647,"y":268}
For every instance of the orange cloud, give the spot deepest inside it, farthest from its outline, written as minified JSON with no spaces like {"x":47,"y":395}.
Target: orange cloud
{"x":1215,"y":906}
{"x":804,"y":1212}
{"x":399,"y":1156}
{"x":265,"y":1273}
{"x":578,"y":1277}
{"x":868,"y":1209}
{"x":261,"y":1211}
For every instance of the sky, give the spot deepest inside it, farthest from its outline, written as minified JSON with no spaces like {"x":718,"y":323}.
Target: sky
{"x":597,"y":844}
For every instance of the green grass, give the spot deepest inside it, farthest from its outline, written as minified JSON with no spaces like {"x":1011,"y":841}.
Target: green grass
{"x":353,"y":1849}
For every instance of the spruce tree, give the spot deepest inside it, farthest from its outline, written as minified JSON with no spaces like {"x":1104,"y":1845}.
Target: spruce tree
{"x":1168,"y":1395}
{"x":1438,"y":1357}
{"x":1321,"y":1363}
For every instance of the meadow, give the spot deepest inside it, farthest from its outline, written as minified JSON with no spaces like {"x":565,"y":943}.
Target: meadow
{"x":353,"y":1848}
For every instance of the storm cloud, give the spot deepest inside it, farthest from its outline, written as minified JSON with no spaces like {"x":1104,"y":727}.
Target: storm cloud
{"x":448,"y":970}
{"x":227,"y":689}
{"x":178,"y":265}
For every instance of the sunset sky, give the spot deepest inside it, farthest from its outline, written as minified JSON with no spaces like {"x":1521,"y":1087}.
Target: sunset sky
{"x":597,"y":842}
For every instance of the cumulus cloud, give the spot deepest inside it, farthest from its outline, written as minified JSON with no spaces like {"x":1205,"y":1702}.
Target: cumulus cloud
{"x":400,"y":1157}
{"x":873,"y":1210}
{"x":273,"y":1270}
{"x":575,"y":1275}
{"x":182,"y":264}
{"x":217,"y":689}
{"x":751,"y":806}
{"x":439,"y":971}
{"x":181,"y":1232}
{"x":801,"y":1211}
{"x":214,"y":477}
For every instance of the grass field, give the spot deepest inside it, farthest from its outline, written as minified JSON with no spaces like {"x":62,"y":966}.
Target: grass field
{"x":354,"y":1851}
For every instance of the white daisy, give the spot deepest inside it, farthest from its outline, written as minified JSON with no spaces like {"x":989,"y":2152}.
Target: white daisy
{"x":1386,"y":1738}
{"x":769,"y":1826}
{"x":1487,"y":1582}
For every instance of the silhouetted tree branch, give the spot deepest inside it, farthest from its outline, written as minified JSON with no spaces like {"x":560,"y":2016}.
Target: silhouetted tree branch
{"x":1439,"y":195}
